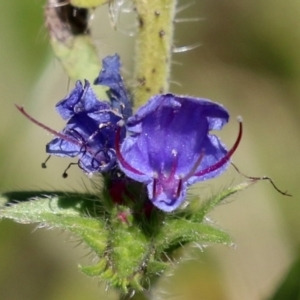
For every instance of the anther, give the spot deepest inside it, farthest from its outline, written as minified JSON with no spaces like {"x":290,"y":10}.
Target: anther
{"x":65,"y":174}
{"x":44,"y":164}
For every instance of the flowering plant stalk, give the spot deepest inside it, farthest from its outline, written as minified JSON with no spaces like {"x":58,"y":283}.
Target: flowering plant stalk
{"x":146,"y":161}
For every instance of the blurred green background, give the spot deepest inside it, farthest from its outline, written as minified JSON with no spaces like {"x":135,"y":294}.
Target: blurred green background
{"x":249,"y":60}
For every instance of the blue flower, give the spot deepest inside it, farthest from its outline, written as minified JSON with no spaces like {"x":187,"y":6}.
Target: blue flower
{"x":169,"y":146}
{"x":166,"y":145}
{"x":90,"y":130}
{"x":111,"y":77}
{"x":91,"y":124}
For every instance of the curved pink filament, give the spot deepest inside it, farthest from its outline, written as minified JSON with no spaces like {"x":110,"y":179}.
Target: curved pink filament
{"x":212,"y":168}
{"x":120,"y":157}
{"x":54,"y":132}
{"x":189,"y":174}
{"x":225,"y":158}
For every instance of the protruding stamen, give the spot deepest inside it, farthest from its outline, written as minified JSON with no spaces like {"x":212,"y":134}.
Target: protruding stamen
{"x":65,"y":174}
{"x":44,"y":164}
{"x":56,"y":133}
{"x":262,"y":178}
{"x":228,"y":155}
{"x":120,"y":157}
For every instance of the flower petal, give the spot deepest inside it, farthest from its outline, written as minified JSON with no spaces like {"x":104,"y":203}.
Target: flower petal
{"x":111,"y":77}
{"x":81,"y":99}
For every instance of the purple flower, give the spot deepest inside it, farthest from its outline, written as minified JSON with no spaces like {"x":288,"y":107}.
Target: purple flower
{"x":111,"y":77}
{"x":91,"y":124}
{"x":89,"y":132}
{"x":169,"y":147}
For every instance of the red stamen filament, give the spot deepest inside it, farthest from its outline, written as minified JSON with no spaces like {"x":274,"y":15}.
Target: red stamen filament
{"x":52,"y":131}
{"x":225,"y":158}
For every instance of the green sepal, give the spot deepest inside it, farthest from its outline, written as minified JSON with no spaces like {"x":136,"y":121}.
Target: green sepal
{"x":126,"y":254}
{"x":176,"y":233}
{"x":94,"y":270}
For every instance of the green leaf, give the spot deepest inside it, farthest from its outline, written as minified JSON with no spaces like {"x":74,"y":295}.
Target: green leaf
{"x":289,"y":289}
{"x":57,"y":210}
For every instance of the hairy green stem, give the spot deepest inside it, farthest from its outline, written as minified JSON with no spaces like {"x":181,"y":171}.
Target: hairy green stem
{"x":153,"y":48}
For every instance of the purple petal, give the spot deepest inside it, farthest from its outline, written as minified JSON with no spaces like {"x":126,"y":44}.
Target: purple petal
{"x":63,"y":148}
{"x":81,"y":99}
{"x":111,"y":77}
{"x":65,"y":107}
{"x":165,"y":200}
